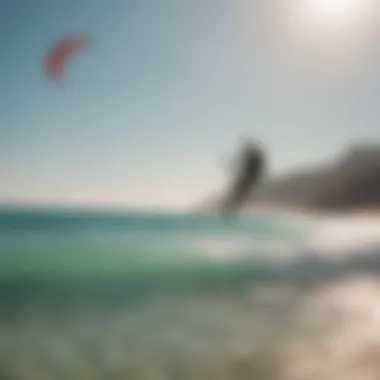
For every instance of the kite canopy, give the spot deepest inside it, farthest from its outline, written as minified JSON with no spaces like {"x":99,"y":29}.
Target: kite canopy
{"x":59,"y":54}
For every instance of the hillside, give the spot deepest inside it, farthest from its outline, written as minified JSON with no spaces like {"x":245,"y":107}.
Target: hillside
{"x":352,"y":181}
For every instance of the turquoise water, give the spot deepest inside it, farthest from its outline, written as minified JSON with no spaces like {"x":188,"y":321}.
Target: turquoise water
{"x":147,"y":296}
{"x":90,"y":246}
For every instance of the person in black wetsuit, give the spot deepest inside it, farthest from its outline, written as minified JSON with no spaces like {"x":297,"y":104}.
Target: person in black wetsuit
{"x":249,"y":173}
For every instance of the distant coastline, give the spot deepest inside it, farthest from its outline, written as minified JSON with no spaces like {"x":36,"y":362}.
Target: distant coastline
{"x":348,"y":184}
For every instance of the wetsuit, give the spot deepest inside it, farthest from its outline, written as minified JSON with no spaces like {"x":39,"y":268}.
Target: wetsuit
{"x":248,"y":176}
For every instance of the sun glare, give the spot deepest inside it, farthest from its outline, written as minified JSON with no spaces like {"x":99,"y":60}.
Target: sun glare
{"x":332,"y":20}
{"x":338,"y":11}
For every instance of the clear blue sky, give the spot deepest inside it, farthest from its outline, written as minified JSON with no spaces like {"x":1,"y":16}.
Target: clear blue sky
{"x":151,"y":111}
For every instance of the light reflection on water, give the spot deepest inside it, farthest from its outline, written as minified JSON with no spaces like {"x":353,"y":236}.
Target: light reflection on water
{"x":329,"y":331}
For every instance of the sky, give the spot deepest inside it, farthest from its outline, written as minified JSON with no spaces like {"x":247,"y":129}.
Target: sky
{"x":153,"y":110}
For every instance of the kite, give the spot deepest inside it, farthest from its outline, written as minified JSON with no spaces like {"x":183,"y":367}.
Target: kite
{"x":60,"y":53}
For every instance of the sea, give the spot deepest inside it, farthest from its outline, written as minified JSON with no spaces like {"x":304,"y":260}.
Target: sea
{"x":100,"y":294}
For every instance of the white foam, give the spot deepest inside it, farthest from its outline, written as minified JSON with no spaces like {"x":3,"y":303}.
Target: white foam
{"x":341,"y":234}
{"x":293,"y":236}
{"x":345,"y":317}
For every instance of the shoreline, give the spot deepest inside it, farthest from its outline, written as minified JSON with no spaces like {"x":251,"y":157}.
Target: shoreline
{"x":310,"y":212}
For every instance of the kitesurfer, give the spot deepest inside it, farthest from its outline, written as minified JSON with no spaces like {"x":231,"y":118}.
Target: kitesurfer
{"x":249,"y":173}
